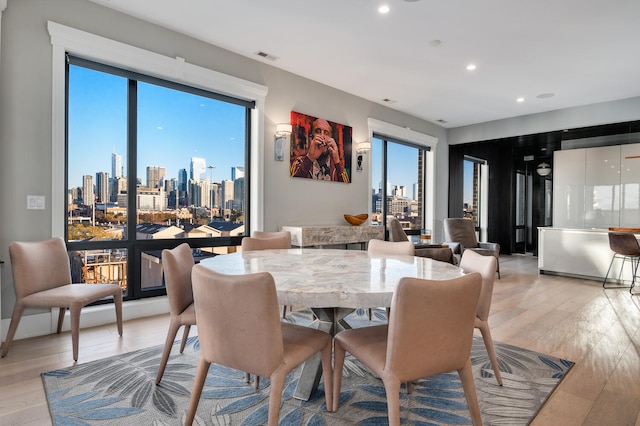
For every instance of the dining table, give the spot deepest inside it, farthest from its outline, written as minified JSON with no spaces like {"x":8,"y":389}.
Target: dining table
{"x":332,"y":283}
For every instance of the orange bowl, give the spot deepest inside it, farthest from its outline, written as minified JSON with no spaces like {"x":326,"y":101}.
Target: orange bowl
{"x":356,"y":220}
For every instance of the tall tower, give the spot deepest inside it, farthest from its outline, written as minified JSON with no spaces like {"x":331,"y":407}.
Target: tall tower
{"x":227,"y":194}
{"x":102,"y":187}
{"x":116,"y":165}
{"x":198,"y":168}
{"x":155,"y":176}
{"x":87,"y":190}
{"x":237,"y":172}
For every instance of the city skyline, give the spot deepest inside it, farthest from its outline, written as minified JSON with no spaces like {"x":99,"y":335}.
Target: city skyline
{"x":172,"y":127}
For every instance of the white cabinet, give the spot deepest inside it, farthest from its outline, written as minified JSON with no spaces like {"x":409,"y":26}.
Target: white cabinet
{"x":568,"y":188}
{"x":630,"y":185}
{"x":602,"y":187}
{"x":597,"y":188}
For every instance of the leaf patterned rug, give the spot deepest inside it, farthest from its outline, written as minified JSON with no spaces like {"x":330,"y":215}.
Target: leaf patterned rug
{"x":121,"y":390}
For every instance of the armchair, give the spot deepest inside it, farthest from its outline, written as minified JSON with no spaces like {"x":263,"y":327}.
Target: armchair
{"x":463,"y":232}
{"x":443,"y":254}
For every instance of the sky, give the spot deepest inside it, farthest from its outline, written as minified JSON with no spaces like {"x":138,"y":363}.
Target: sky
{"x":173,"y":126}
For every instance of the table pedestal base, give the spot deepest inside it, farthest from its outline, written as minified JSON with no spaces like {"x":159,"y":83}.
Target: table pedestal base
{"x":330,"y":320}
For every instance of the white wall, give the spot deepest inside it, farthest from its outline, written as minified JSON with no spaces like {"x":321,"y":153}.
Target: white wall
{"x":26,"y":121}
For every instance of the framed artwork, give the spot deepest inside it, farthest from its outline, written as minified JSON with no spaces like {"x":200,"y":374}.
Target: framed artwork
{"x":320,"y":149}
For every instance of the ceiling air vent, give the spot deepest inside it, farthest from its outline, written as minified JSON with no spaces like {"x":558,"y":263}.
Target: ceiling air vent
{"x":389,"y":101}
{"x":266,"y":55}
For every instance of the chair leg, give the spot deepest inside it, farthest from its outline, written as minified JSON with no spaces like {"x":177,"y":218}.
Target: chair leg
{"x":608,"y":270}
{"x":117,"y":301}
{"x":168,"y":344}
{"x":466,"y":377}
{"x":61,"y":318}
{"x":338,"y":363}
{"x":74,"y":312}
{"x":13,"y":326}
{"x":498,"y":266}
{"x":185,"y":337}
{"x":198,"y":383}
{"x":327,"y":375}
{"x":491,"y":351}
{"x":392,"y":388}
{"x":275,"y":396}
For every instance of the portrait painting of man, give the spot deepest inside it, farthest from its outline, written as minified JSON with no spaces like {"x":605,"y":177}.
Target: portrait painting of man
{"x":320,"y":149}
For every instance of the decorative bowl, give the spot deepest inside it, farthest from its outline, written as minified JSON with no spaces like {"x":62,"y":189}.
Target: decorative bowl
{"x":357,"y":219}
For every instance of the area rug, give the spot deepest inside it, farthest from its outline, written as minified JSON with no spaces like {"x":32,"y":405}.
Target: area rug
{"x":121,"y":390}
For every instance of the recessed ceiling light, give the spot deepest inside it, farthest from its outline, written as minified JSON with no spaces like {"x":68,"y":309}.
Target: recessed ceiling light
{"x":520,"y":99}
{"x":471,"y":67}
{"x":544,"y":95}
{"x":383,"y":9}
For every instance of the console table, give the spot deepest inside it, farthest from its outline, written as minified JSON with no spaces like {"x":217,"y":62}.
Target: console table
{"x":325,"y":235}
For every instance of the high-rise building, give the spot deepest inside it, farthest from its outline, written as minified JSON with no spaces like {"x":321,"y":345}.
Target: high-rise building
{"x":237,"y":172}
{"x":116,"y":165}
{"x":155,"y":176}
{"x":87,"y":190}
{"x":227,"y":194}
{"x":238,"y":193}
{"x":198,"y":168}
{"x":118,"y":186}
{"x":102,"y":187}
{"x":182,"y":180}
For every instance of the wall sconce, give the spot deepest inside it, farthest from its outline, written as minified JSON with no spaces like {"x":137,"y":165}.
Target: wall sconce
{"x":543,"y":169}
{"x":363,"y":148}
{"x":282,"y":137}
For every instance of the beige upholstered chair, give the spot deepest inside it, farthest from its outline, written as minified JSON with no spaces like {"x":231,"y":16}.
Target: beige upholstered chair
{"x":261,"y":240}
{"x":444,"y":254}
{"x":390,"y":248}
{"x":239,"y":327}
{"x":177,"y":264}
{"x":624,"y":245}
{"x":463,"y":231}
{"x":485,"y":266}
{"x":256,"y":243}
{"x":42,"y":279}
{"x":265,"y":234}
{"x":405,"y":350}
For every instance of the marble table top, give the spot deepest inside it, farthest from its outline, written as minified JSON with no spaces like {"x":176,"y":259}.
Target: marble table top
{"x":323,"y":278}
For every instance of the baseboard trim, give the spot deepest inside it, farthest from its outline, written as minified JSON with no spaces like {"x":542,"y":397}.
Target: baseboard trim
{"x":45,"y":323}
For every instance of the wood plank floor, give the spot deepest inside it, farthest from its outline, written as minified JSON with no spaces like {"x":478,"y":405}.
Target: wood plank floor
{"x":565,"y":317}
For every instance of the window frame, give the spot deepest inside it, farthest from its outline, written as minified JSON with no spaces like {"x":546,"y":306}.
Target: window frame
{"x":397,"y":134}
{"x":99,"y":49}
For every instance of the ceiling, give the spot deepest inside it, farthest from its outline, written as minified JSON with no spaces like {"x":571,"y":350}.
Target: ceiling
{"x":553,"y":53}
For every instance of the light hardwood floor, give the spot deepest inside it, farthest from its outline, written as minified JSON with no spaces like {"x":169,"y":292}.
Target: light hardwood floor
{"x":565,"y":317}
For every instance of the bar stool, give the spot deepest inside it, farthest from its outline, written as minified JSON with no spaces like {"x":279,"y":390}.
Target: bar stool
{"x":624,"y":246}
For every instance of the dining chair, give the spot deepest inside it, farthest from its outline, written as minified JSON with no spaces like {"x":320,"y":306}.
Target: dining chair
{"x":390,"y":248}
{"x":260,"y":243}
{"x":463,"y":232}
{"x":624,"y":245}
{"x":486,"y":267}
{"x":177,"y":264}
{"x":443,"y":254}
{"x":261,"y":240}
{"x":404,"y":350}
{"x":271,"y":234}
{"x":239,"y":327}
{"x":42,"y":279}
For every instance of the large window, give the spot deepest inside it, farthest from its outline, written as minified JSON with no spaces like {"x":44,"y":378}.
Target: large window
{"x":398,"y":181}
{"x":150,"y":163}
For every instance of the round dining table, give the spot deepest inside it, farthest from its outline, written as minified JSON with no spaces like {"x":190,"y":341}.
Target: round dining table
{"x":332,"y":282}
